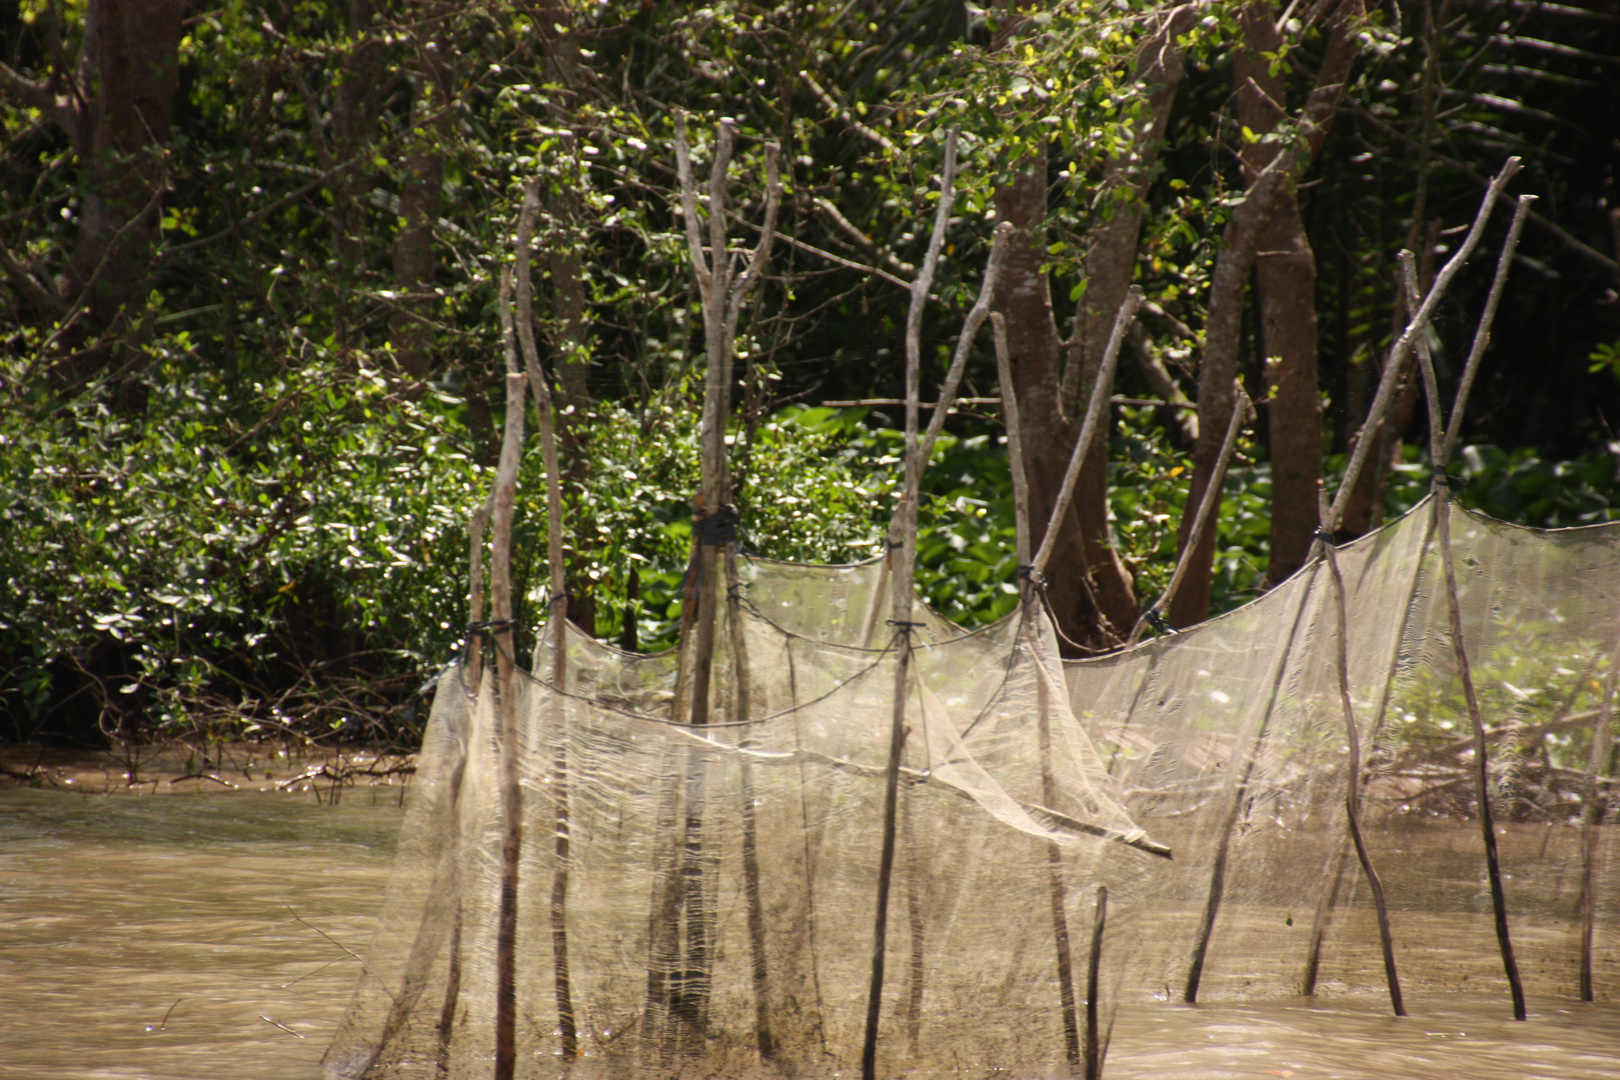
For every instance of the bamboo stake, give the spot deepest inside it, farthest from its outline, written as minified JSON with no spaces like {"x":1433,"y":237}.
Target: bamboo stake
{"x":1442,"y":520}
{"x":1030,"y":605}
{"x":1352,"y":787}
{"x":567,"y":1028}
{"x":1206,"y":506}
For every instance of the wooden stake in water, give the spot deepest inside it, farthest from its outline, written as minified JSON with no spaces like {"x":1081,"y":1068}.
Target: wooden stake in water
{"x":567,"y":1028}
{"x":1465,"y":675}
{"x":1352,"y":787}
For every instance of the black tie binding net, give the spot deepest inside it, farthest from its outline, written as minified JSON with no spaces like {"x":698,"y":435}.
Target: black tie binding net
{"x":717,"y":527}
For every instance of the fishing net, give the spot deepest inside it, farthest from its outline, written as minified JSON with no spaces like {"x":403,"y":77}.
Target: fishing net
{"x":1229,"y":741}
{"x":700,"y":900}
{"x":718,"y":905}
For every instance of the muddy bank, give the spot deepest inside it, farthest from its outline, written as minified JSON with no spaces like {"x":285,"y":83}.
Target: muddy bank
{"x":180,"y":768}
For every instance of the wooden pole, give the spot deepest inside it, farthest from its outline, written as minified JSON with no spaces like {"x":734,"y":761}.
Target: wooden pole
{"x":1599,"y":769}
{"x":557,"y":623}
{"x":1442,"y":529}
{"x":764,"y":1037}
{"x":1096,"y":1045}
{"x":1334,"y":880}
{"x":1206,"y":507}
{"x":504,"y":637}
{"x":903,"y":550}
{"x":1030,"y":609}
{"x":722,"y":294}
{"x":1352,"y":787}
{"x":1482,"y":333}
{"x":1403,"y":346}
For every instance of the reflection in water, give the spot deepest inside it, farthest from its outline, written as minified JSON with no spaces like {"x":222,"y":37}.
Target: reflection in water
{"x":200,"y":936}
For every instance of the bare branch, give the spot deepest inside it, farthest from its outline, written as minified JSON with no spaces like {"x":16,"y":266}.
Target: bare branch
{"x":1403,"y":346}
{"x":970,"y":329}
{"x":694,"y":232}
{"x":38,"y":95}
{"x":871,"y":135}
{"x":897,"y":265}
{"x":28,"y":285}
{"x":760,"y":260}
{"x":1482,"y":334}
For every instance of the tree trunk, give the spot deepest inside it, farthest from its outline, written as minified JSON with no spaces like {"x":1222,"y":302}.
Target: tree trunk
{"x":131,"y":51}
{"x":1250,"y":219}
{"x":1090,"y":589}
{"x":568,"y":328}
{"x":415,"y":254}
{"x":356,"y":105}
{"x":1285,"y":269}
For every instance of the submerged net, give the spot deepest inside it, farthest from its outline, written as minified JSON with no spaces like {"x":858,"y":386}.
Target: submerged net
{"x":712,"y":909}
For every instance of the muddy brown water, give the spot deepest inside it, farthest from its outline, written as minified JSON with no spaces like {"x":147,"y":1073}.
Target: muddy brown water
{"x":215,"y":934}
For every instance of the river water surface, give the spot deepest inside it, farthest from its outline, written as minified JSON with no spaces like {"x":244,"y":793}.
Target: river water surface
{"x":216,"y":934}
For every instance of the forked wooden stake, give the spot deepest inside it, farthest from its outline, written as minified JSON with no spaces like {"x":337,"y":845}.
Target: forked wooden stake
{"x":722,"y":291}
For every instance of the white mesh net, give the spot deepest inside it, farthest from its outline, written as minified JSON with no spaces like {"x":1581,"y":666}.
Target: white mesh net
{"x":714,"y":901}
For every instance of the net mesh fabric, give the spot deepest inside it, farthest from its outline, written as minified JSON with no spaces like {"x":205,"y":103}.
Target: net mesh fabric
{"x":1229,"y":742}
{"x":719,"y":888}
{"x":721,"y":880}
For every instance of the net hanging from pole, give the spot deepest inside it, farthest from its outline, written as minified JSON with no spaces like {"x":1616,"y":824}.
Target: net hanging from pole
{"x":720,"y":878}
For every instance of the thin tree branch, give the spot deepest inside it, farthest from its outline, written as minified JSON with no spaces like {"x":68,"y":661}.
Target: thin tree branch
{"x":970,"y":329}
{"x":1482,"y":334}
{"x":872,"y":135}
{"x":1403,"y":346}
{"x":1206,"y":506}
{"x":897,"y":265}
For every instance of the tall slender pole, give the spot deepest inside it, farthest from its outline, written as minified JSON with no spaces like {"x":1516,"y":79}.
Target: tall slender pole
{"x":567,"y":1027}
{"x":1334,"y":880}
{"x":903,"y":552}
{"x":1599,"y":769}
{"x":1352,"y":787}
{"x":507,"y":715}
{"x":1482,"y":783}
{"x":1030,"y":609}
